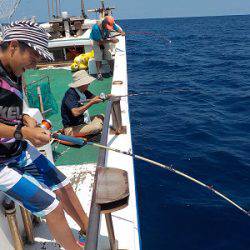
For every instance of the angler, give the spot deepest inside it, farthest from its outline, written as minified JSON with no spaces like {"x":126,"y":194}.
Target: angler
{"x":75,"y":104}
{"x":101,"y":43}
{"x":26,"y":175}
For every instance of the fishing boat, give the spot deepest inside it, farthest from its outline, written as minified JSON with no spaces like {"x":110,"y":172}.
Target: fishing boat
{"x":103,"y":180}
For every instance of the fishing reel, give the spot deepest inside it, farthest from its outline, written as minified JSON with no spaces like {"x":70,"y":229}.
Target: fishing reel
{"x":104,"y":97}
{"x":45,"y":124}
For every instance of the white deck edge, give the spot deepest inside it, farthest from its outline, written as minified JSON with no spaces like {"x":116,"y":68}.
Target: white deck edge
{"x":126,"y":220}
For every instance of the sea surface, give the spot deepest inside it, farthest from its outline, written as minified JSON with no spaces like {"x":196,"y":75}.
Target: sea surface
{"x":193,"y":114}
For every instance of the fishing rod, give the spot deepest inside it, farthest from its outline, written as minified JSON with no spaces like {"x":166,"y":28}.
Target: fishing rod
{"x":105,"y":97}
{"x":82,"y":142}
{"x":162,"y":91}
{"x":144,"y":33}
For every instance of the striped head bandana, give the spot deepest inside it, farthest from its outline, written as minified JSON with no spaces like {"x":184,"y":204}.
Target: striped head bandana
{"x":29,"y":33}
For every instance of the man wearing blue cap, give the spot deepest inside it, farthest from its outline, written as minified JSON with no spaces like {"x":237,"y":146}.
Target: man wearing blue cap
{"x":26,"y":175}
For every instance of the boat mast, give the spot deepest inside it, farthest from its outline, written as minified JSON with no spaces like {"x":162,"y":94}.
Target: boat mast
{"x":55,"y":9}
{"x":49,"y":8}
{"x":103,"y":11}
{"x":83,"y":9}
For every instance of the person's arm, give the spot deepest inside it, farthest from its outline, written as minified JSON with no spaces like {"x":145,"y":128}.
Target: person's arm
{"x":37,"y":136}
{"x":80,"y":110}
{"x":119,"y":30}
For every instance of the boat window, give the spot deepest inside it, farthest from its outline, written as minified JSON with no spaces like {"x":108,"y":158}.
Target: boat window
{"x":58,"y":54}
{"x":66,"y":54}
{"x":72,"y":52}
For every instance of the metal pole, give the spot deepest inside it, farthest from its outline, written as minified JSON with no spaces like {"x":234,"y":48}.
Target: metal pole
{"x":53,"y":8}
{"x":27,"y":223}
{"x":111,"y":233}
{"x":60,"y":11}
{"x":93,"y":230}
{"x":95,"y":210}
{"x":116,"y":116}
{"x":10,"y":212}
{"x":39,"y":93}
{"x":48,"y":8}
{"x":83,"y":9}
{"x":102,"y":14}
{"x":57,"y":8}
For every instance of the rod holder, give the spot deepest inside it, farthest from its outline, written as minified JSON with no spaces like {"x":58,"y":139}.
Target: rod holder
{"x":111,"y":233}
{"x":10,"y":213}
{"x":117,"y":127}
{"x":39,"y":94}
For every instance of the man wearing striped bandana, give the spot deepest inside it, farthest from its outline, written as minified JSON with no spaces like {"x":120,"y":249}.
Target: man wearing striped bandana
{"x":27,"y":176}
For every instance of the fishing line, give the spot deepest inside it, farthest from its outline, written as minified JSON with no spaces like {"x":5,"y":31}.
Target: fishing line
{"x":162,"y":91}
{"x":151,"y":34}
{"x":105,"y":97}
{"x":82,"y":142}
{"x":143,"y":33}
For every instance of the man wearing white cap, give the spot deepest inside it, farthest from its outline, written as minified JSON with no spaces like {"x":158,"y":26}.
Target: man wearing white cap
{"x":76,"y":102}
{"x":26,"y":175}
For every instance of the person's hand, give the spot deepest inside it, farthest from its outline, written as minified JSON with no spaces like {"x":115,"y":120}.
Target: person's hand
{"x":114,"y":40}
{"x":96,"y":99}
{"x":108,"y":96}
{"x":123,"y":33}
{"x":29,"y":121}
{"x":37,"y":136}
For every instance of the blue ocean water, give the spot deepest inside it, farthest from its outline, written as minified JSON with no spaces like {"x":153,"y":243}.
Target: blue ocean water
{"x":203,"y":131}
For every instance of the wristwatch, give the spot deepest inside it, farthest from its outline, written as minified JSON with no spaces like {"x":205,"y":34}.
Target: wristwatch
{"x":18,"y":134}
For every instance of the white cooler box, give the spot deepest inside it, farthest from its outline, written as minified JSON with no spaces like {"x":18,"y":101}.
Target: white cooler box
{"x":92,"y":67}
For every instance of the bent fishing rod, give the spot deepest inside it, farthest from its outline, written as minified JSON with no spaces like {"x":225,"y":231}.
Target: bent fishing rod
{"x":82,"y":142}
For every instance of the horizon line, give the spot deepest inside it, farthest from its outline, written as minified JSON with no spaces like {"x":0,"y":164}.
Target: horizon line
{"x":172,"y":17}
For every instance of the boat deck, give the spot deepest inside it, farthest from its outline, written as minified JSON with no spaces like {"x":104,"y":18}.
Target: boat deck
{"x":80,"y":164}
{"x":82,"y":178}
{"x":59,"y":80}
{"x":77,"y":163}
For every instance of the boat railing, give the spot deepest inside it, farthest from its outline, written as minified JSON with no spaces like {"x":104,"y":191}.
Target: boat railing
{"x":97,"y":207}
{"x":38,"y":95}
{"x":40,"y":79}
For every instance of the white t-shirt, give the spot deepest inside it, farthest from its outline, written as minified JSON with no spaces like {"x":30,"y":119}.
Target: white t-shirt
{"x":83,"y":98}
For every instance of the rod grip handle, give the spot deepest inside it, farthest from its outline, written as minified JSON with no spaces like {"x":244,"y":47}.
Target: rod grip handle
{"x":74,"y":140}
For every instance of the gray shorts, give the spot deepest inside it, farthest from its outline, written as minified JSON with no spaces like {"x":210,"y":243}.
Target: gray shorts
{"x":102,"y":54}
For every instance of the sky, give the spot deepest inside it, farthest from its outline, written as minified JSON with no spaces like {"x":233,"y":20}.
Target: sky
{"x":136,"y":9}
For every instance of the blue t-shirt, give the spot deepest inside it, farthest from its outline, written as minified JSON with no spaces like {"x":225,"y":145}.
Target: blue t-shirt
{"x":71,"y":100}
{"x":96,"y":33}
